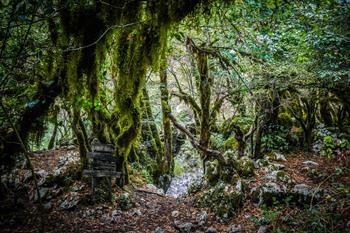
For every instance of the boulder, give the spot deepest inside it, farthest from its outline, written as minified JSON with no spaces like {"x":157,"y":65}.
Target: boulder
{"x":279,"y":176}
{"x":261,"y":163}
{"x":268,"y":193}
{"x":223,"y":199}
{"x":304,"y":194}
{"x":125,"y":201}
{"x":212,"y":171}
{"x":276,"y":156}
{"x":186,"y":227}
{"x":245,"y":167}
{"x":275,"y":167}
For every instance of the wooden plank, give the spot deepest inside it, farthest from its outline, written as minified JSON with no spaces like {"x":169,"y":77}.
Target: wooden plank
{"x":101,"y":156}
{"x":98,"y":163}
{"x":103,"y":148}
{"x":104,"y":168}
{"x":99,"y":173}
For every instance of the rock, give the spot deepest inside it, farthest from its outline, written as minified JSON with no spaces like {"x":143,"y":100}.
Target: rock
{"x":27,"y":176}
{"x":137,"y":212}
{"x":234,"y":228}
{"x":280,"y":157}
{"x":268,"y":193}
{"x":245,"y":166}
{"x":47,"y":205}
{"x":125,"y":201}
{"x":175,"y":214}
{"x":262,"y":229}
{"x":71,"y":201}
{"x":42,"y":176}
{"x":212,"y":171}
{"x":239,"y":185}
{"x":304,"y":193}
{"x":202,"y":218}
{"x":43,"y":193}
{"x":279,"y":176}
{"x":116,"y":214}
{"x":211,"y":230}
{"x":275,"y":167}
{"x":275,"y":156}
{"x":310,"y":164}
{"x":71,"y":147}
{"x":159,"y":230}
{"x":223,"y":199}
{"x":261,"y":163}
{"x":186,"y":227}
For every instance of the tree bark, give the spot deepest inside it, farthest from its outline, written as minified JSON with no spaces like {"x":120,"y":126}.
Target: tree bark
{"x":166,"y":110}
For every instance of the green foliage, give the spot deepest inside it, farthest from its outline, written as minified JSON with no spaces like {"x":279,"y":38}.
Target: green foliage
{"x":277,"y":138}
{"x":231,"y":144}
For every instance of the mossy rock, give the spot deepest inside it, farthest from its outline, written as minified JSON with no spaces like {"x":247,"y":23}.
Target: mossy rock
{"x":125,"y":201}
{"x":269,"y":194}
{"x":245,"y":167}
{"x":212,"y":171}
{"x":231,"y":144}
{"x":223,"y":199}
{"x":262,"y":162}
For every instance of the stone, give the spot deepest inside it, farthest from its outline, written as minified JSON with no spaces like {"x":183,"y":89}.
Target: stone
{"x":71,"y":201}
{"x":137,"y":212}
{"x":47,"y":205}
{"x":186,"y":227}
{"x":275,"y":167}
{"x":175,"y":214}
{"x":234,"y":228}
{"x":159,"y":230}
{"x":304,"y":193}
{"x":43,"y":193}
{"x":239,"y":185}
{"x":280,"y":157}
{"x":42,"y":176}
{"x":268,"y":193}
{"x":262,"y":229}
{"x":261,"y":163}
{"x":125,"y":201}
{"x":310,"y":164}
{"x":211,"y":230}
{"x":245,"y":166}
{"x":212,"y":171}
{"x":279,"y":176}
{"x":202,"y":218}
{"x":223,"y":200}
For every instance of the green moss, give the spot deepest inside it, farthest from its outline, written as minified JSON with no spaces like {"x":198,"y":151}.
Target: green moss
{"x":231,"y":144}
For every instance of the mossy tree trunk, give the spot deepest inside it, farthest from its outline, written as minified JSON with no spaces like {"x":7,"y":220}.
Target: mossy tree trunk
{"x":153,"y":133}
{"x":80,"y":133}
{"x":166,"y":110}
{"x":55,"y":129}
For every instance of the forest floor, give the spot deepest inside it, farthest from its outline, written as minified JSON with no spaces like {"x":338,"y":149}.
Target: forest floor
{"x":69,"y":209}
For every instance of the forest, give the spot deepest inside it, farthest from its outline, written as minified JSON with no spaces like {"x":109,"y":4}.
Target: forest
{"x":175,"y":116}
